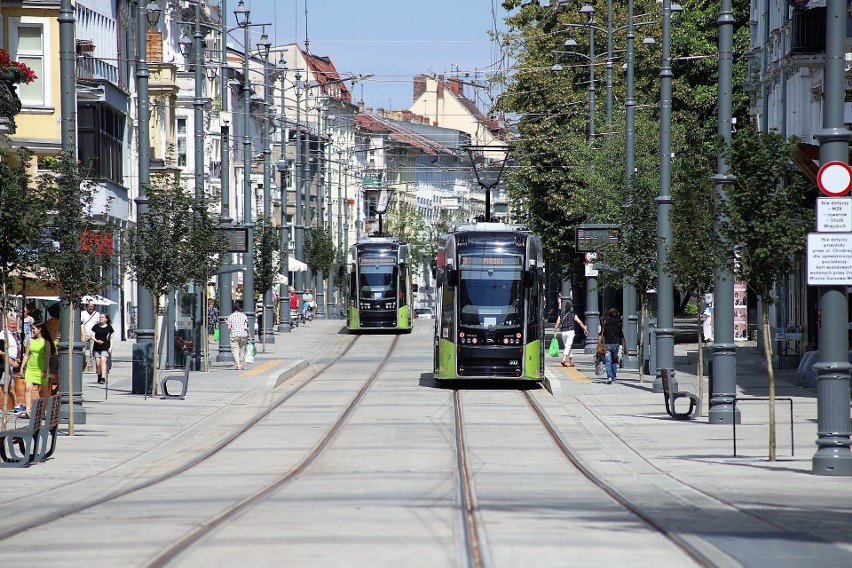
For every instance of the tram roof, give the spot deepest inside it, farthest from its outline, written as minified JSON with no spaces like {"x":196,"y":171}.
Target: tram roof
{"x":385,"y":239}
{"x":491,"y":227}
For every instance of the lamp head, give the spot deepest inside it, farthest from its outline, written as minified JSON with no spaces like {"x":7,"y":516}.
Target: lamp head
{"x":570,"y":42}
{"x":587,"y":9}
{"x":185,"y":46}
{"x":263,"y":46}
{"x":242,"y":14}
{"x":152,"y":13}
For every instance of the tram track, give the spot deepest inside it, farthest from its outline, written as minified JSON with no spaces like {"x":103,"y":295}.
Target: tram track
{"x":185,"y":542}
{"x":224,"y":442}
{"x":474,"y":544}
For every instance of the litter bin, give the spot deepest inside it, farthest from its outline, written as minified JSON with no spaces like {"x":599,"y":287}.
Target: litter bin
{"x":143,"y":368}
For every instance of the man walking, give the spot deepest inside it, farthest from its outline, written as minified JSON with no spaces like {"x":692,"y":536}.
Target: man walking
{"x":88,"y":320}
{"x":238,"y":328}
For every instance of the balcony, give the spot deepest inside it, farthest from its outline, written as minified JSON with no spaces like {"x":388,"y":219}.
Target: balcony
{"x":10,"y":106}
{"x":808,"y":31}
{"x":162,"y":79}
{"x":95,"y":69}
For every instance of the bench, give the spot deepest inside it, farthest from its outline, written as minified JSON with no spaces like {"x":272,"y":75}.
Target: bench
{"x":182,"y":379}
{"x":24,"y":438}
{"x":672,"y":396}
{"x":48,"y":431}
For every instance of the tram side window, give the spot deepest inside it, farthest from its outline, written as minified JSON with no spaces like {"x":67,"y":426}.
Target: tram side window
{"x":447,"y":309}
{"x":403,"y":285}
{"x":353,"y":293}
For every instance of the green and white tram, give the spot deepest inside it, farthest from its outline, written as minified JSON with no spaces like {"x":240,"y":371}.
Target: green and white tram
{"x":379,"y":285}
{"x":490,"y":300}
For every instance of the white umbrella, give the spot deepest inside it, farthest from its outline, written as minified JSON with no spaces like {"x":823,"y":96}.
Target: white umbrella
{"x":296,"y":265}
{"x":97,"y":300}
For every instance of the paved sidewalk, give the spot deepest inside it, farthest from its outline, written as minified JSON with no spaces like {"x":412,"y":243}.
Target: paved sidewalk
{"x":630,"y":421}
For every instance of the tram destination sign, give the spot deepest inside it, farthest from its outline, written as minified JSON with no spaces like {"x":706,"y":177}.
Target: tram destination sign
{"x":377,"y":260}
{"x":590,"y":238}
{"x":491,"y":260}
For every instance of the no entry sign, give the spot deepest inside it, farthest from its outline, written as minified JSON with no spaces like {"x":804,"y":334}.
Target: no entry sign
{"x":834,"y":178}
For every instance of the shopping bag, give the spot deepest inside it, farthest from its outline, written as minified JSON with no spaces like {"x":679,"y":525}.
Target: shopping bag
{"x":601,"y":350}
{"x":250,"y":353}
{"x":216,"y":334}
{"x":553,"y":350}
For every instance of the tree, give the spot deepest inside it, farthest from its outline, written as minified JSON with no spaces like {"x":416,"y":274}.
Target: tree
{"x":159,"y":252}
{"x":208,"y":245}
{"x":320,"y":253}
{"x":765,"y":221}
{"x":695,"y":253}
{"x":76,"y":249}
{"x":22,"y":214}
{"x":266,"y":247}
{"x":410,"y":226}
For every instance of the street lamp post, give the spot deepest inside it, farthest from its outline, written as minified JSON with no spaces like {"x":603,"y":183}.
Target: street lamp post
{"x":299,"y":183}
{"x":722,"y":409}
{"x":198,"y":120}
{"x":263,"y":47}
{"x":833,"y":456}
{"x":284,"y":323}
{"x":243,"y":17}
{"x":225,"y":299}
{"x":143,"y":349}
{"x":665,"y":286}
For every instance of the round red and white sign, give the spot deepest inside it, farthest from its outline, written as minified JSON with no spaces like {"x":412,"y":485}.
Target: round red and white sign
{"x":834,"y":178}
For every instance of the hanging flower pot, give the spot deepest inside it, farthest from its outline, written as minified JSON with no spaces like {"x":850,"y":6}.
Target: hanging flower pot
{"x":14,"y":72}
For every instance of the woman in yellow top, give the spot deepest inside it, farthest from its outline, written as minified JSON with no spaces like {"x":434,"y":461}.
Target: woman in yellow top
{"x":35,"y":363}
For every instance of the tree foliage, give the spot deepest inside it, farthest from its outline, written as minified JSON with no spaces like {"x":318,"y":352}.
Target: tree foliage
{"x":410,"y":226}
{"x":320,"y":252}
{"x":562,"y":180}
{"x":266,"y":247}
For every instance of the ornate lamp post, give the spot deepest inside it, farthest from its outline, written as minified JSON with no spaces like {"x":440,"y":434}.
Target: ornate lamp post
{"x":284,"y":323}
{"x":143,"y":349}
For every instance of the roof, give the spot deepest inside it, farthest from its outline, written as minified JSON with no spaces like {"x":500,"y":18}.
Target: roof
{"x":327,"y":77}
{"x":401,"y":134}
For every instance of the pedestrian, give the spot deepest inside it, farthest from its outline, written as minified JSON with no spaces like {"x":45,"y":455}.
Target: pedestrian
{"x":10,"y":352}
{"x":27,"y":323}
{"x":88,"y":320}
{"x":707,"y":318}
{"x":308,"y":304}
{"x":613,"y":338}
{"x":212,"y":319}
{"x":559,"y":303}
{"x":294,"y":308}
{"x":35,"y":365}
{"x":102,"y":349}
{"x":565,"y":326}
{"x":239,"y":331}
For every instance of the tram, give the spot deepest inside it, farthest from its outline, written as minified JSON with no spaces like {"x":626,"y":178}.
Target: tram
{"x":490,"y":300}
{"x":379,"y":285}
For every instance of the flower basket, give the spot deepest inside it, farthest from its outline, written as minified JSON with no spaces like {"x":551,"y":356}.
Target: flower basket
{"x":14,"y":72}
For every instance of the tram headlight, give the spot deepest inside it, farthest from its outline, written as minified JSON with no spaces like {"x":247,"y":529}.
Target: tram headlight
{"x":365,"y":305}
{"x":390,"y":305}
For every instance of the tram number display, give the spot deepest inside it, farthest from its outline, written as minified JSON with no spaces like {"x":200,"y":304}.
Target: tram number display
{"x":377,"y":260}
{"x":491,"y":261}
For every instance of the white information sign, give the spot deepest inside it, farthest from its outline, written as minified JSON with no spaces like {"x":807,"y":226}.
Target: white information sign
{"x":590,"y":269}
{"x":830,"y":259}
{"x":834,"y":215}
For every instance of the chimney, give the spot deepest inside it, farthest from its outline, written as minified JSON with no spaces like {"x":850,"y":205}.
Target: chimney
{"x":380,"y":112}
{"x":369,"y":110}
{"x":419,"y":86}
{"x":440,"y":86}
{"x":456,"y":87}
{"x":361,"y":106}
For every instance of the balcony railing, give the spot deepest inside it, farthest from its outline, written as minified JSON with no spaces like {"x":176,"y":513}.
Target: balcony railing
{"x":92,"y":68}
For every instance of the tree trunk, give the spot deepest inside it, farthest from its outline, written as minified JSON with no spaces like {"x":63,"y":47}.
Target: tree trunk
{"x":72,"y":321}
{"x":156,"y":301}
{"x":767,"y":353}
{"x":6,"y":369}
{"x":643,"y":314}
{"x":700,"y":371}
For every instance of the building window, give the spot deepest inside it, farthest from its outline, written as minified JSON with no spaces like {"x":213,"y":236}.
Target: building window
{"x":100,"y":131}
{"x":181,"y":142}
{"x":29,"y":49}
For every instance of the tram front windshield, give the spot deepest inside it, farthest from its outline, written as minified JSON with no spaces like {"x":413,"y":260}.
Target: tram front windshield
{"x":491,"y":292}
{"x":377,"y":276}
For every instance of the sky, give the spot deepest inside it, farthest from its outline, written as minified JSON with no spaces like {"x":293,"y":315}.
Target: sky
{"x":392,"y":40}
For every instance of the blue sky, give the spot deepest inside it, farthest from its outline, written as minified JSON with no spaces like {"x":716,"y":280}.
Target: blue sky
{"x":390,"y":39}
